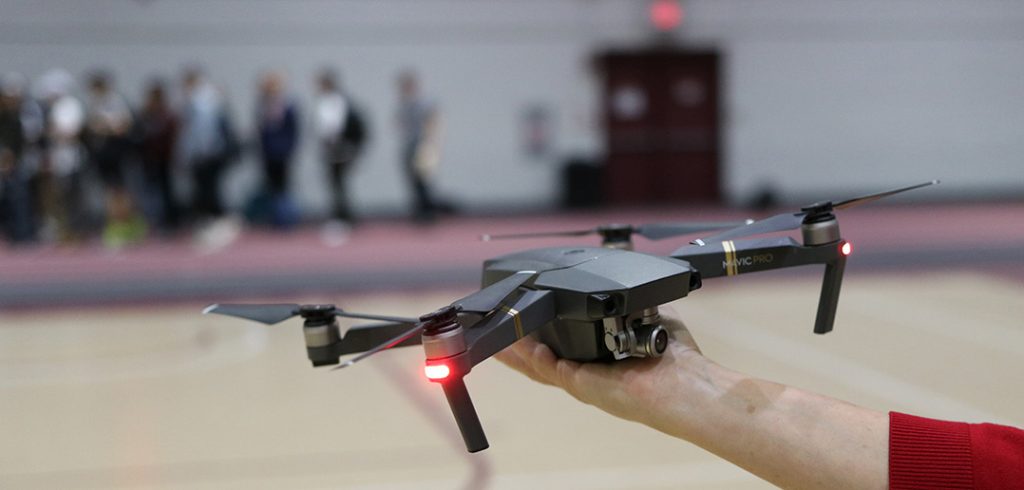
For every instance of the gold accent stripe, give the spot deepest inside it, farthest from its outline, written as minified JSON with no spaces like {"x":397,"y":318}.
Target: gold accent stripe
{"x":514,"y":313}
{"x":731,"y":267}
{"x":735,"y":258}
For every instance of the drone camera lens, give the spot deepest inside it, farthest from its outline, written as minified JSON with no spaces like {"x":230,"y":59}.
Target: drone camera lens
{"x":660,"y":341}
{"x":652,"y":340}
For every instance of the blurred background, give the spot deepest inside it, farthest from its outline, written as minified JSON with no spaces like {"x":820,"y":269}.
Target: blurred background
{"x":157,"y":156}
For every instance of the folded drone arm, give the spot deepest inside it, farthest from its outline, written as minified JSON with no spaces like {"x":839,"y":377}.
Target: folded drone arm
{"x":729,"y":258}
{"x":529,"y":312}
{"x":503,"y":328}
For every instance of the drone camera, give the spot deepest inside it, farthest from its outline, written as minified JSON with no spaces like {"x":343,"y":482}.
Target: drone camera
{"x":637,"y":335}
{"x":652,"y":340}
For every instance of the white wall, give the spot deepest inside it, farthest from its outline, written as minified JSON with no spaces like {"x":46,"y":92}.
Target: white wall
{"x":832,"y":96}
{"x":862,"y":95}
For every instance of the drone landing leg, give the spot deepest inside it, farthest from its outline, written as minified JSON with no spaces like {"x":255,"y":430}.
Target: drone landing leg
{"x":465,"y":414}
{"x":829,"y":300}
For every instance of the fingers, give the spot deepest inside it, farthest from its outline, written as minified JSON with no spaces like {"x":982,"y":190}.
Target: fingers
{"x":567,"y":372}
{"x":540,"y":364}
{"x":531,"y":358}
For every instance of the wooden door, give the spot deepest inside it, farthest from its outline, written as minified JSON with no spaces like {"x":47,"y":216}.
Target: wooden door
{"x":661,"y":118}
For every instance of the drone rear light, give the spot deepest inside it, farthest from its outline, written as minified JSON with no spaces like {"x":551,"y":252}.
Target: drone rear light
{"x":846,"y":248}
{"x":437,"y":372}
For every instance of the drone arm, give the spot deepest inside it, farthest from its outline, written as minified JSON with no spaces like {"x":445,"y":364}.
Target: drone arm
{"x":503,"y":328}
{"x":730,"y":258}
{"x":532,"y":310}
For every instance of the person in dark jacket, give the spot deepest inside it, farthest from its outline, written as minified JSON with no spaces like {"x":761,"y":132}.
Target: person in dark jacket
{"x":277,"y":117}
{"x":14,"y":198}
{"x":278,"y":131}
{"x":157,"y":133}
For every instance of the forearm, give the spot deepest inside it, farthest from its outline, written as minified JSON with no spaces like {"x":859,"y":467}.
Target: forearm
{"x":790,"y":437}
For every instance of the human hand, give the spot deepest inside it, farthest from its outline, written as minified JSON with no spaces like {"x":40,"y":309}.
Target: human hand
{"x":633,"y":389}
{"x":789,"y":437}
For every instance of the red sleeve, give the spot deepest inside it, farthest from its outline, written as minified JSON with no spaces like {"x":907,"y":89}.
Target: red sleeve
{"x":928,"y":453}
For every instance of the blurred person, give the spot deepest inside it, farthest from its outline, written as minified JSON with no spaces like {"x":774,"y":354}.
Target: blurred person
{"x":419,"y":125}
{"x":14,"y":196}
{"x":157,"y":132}
{"x":33,"y":125}
{"x":787,"y":436}
{"x":341,"y":133}
{"x":58,"y":184}
{"x":108,"y":124}
{"x":206,"y":144}
{"x":277,"y":116}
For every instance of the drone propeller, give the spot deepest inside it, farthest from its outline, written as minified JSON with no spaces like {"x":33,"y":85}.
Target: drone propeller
{"x":660,"y":231}
{"x":361,"y":338}
{"x":857,"y":201}
{"x":267,"y":314}
{"x":650,"y":231}
{"x":393,"y":342}
{"x":792,"y":221}
{"x":277,"y":313}
{"x":483,"y":301}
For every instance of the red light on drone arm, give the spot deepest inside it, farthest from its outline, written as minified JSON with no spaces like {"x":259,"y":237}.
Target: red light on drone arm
{"x":437,"y":371}
{"x":846,"y":248}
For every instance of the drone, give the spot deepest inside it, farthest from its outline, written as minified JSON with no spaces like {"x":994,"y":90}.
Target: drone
{"x":588,"y":304}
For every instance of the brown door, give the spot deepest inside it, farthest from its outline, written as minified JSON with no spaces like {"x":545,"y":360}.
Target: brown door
{"x":661,"y":124}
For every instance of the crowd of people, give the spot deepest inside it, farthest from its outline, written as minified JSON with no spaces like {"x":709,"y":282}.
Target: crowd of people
{"x":78,"y":164}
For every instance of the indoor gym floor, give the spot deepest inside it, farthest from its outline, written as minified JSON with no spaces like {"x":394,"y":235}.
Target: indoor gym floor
{"x":144,"y":392}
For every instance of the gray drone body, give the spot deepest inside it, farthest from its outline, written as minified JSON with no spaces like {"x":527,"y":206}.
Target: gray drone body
{"x":599,"y":293}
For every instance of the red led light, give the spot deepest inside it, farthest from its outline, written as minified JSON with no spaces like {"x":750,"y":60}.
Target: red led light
{"x":847,"y":248}
{"x":666,"y":14}
{"x":437,"y":371}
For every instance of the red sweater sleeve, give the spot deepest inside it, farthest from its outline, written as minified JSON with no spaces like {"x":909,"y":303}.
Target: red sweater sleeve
{"x":928,"y":453}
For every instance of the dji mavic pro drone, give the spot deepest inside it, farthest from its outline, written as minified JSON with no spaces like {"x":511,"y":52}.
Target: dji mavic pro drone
{"x":589,"y":304}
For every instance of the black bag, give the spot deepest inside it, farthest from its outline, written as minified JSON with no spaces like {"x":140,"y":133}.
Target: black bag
{"x":354,"y":135}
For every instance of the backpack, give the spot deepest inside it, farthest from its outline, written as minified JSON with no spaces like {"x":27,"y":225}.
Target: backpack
{"x":353,"y":135}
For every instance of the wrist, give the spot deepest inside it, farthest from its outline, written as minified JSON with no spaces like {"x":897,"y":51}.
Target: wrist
{"x":679,"y":397}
